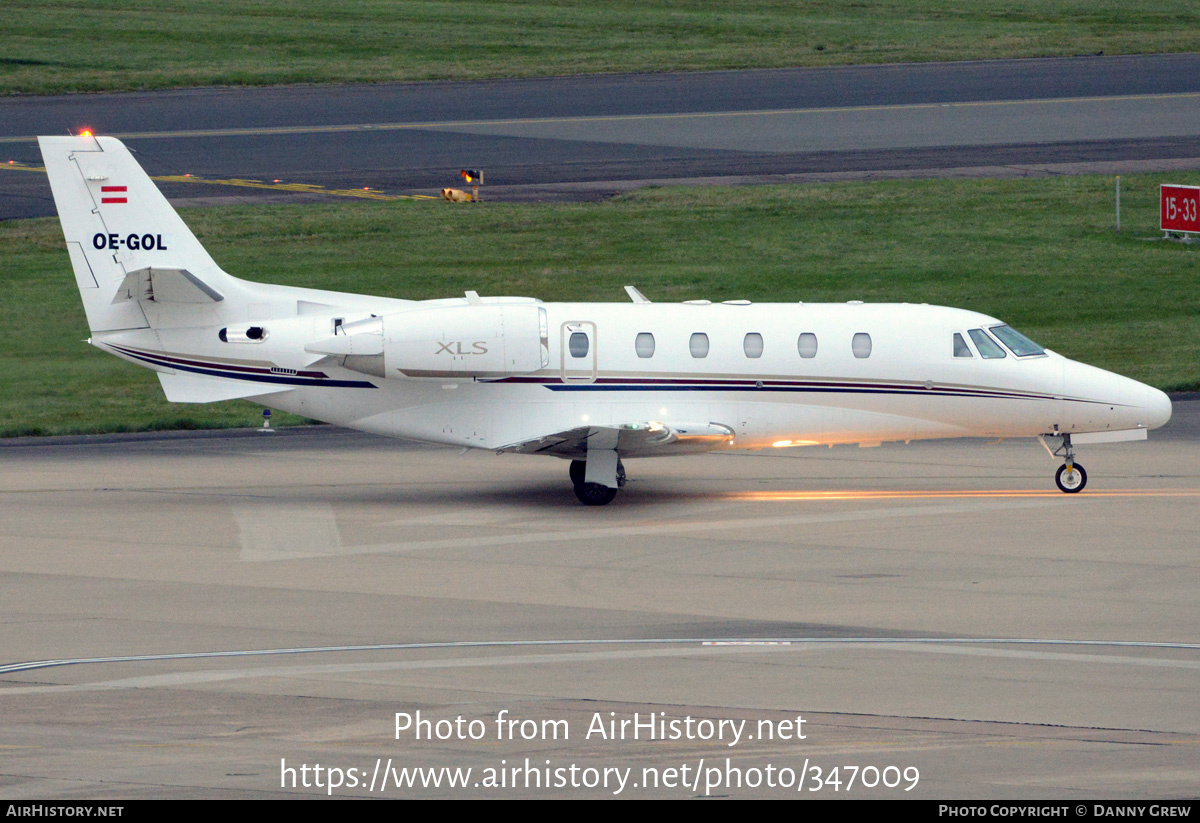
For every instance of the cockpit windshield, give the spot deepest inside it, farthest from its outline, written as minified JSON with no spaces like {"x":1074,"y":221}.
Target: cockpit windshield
{"x":1018,"y":344}
{"x":988,"y":348}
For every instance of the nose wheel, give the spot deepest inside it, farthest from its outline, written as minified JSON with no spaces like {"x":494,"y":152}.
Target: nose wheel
{"x":1070,"y":478}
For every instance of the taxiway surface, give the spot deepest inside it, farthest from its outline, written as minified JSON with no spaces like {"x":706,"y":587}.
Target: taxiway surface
{"x":588,"y":137}
{"x":892,"y":584}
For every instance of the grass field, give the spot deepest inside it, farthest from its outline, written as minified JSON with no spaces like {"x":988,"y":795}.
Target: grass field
{"x":1040,"y":254}
{"x":59,"y":46}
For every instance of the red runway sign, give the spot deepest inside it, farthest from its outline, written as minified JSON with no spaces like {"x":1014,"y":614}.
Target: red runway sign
{"x":1179,"y":208}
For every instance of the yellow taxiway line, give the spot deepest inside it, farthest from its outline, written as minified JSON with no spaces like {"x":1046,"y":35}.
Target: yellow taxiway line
{"x":296,"y":188}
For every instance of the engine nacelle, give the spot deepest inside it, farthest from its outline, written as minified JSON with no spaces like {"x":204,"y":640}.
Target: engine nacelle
{"x":465,"y":342}
{"x":487,"y":340}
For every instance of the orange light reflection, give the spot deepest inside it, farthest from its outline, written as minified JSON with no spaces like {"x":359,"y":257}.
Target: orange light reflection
{"x":850,"y":494}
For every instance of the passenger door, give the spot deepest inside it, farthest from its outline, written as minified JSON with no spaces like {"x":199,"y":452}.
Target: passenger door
{"x":577,"y":350}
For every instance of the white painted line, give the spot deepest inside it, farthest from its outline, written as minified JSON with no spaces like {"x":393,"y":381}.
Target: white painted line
{"x":681,"y":646}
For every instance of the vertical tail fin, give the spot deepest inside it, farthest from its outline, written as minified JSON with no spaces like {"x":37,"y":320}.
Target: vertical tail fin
{"x":121,"y":231}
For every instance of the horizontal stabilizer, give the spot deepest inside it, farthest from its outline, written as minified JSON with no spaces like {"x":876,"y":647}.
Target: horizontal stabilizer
{"x":190,"y":388}
{"x":165,"y":286}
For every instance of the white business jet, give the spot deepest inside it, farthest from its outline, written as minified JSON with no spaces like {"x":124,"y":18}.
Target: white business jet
{"x":589,"y":382}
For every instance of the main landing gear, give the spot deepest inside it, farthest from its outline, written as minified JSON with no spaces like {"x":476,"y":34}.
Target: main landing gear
{"x":1070,"y":477}
{"x":594,"y":494}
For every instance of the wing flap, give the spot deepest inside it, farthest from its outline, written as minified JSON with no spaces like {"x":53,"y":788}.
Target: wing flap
{"x":640,"y":439}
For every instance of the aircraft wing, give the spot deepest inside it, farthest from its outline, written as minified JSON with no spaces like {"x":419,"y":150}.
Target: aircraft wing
{"x":642,"y":439}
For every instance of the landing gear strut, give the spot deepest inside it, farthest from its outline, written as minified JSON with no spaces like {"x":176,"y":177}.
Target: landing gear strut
{"x":594,"y":494}
{"x":1070,"y":477}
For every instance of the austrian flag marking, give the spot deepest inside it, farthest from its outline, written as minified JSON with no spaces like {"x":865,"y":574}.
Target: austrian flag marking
{"x":113,"y":194}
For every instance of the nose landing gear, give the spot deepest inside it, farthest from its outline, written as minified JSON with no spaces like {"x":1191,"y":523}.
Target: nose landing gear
{"x":1070,"y":477}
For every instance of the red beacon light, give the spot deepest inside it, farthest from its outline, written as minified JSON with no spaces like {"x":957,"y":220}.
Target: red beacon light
{"x":85,"y":133}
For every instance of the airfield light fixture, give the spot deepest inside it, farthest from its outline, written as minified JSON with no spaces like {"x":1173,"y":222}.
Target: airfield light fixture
{"x":472,"y":176}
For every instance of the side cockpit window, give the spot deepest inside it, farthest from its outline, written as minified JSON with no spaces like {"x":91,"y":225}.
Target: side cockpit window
{"x":961,"y":349}
{"x":989,"y":349}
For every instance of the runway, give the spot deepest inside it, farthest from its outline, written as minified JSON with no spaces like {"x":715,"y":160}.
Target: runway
{"x":590,"y":137}
{"x":937,"y":608}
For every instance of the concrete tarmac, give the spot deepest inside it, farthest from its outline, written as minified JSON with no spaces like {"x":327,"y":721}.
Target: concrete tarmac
{"x":215,"y":615}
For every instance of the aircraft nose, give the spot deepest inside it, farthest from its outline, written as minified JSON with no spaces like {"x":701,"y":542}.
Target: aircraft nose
{"x":1157,"y":406}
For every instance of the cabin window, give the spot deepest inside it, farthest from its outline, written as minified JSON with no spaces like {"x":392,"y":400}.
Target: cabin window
{"x":961,"y":349}
{"x":753,"y":344}
{"x":699,"y":344}
{"x":644,"y":344}
{"x":989,"y":349}
{"x":1019,"y":344}
{"x":807,"y":345}
{"x":578,"y":344}
{"x":861,"y":345}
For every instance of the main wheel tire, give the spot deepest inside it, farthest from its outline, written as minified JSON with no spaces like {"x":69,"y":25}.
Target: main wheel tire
{"x":1070,"y":482}
{"x":593,"y":494}
{"x":577,"y":471}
